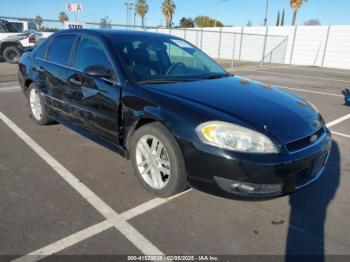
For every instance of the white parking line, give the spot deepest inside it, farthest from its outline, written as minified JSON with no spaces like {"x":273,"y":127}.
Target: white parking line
{"x":65,"y":242}
{"x":330,"y":70}
{"x":145,"y":207}
{"x":94,"y":230}
{"x":300,"y":76}
{"x":340,"y":134}
{"x":310,"y":91}
{"x":305,"y":90}
{"x":112,"y":220}
{"x":135,"y":237}
{"x":9,"y":89}
{"x":339,"y":120}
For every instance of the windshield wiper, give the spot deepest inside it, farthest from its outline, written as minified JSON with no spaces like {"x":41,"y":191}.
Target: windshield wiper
{"x":216,"y":76}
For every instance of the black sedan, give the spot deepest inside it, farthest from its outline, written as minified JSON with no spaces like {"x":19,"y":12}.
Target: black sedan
{"x":179,"y":116}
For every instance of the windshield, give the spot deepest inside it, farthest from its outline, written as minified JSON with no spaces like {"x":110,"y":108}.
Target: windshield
{"x":162,"y":59}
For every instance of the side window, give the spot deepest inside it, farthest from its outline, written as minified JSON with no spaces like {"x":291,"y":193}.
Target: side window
{"x":90,"y":53}
{"x":41,"y":51}
{"x":15,"y":27}
{"x":60,"y":49}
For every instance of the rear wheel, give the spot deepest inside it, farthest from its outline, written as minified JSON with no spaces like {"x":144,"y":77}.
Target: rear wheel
{"x":38,"y":111}
{"x":11,"y":54}
{"x":157,"y":160}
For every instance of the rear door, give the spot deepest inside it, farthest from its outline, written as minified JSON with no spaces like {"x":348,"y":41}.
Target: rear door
{"x":57,"y":68}
{"x":94,"y":100}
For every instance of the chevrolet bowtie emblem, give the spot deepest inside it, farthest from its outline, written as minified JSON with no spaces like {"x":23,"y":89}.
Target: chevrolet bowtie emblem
{"x":313,"y":138}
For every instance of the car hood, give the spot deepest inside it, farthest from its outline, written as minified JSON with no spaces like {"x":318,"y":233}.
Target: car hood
{"x":269,"y":109}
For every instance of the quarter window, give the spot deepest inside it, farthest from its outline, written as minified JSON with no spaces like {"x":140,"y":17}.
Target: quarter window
{"x":60,"y":49}
{"x":41,"y":51}
{"x":90,"y":53}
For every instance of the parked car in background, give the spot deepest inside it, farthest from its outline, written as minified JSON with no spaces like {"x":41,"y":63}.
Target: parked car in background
{"x":179,"y":116}
{"x":15,"y":37}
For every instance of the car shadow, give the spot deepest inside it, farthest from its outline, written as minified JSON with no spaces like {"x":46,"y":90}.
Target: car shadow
{"x":306,"y":229}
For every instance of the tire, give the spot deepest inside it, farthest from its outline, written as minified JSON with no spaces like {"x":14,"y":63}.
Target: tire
{"x":42,"y":118}
{"x":171,"y":182}
{"x":11,"y":54}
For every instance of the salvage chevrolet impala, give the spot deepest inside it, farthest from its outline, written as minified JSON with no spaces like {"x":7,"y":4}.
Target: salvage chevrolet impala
{"x":180,"y":117}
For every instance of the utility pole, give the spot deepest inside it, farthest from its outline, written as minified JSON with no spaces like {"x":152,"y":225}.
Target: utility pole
{"x":266,"y":11}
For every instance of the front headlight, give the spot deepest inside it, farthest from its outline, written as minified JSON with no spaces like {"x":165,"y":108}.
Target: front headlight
{"x":233,"y":137}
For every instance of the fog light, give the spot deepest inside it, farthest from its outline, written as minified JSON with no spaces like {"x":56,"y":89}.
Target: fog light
{"x":239,"y":187}
{"x":243,"y":187}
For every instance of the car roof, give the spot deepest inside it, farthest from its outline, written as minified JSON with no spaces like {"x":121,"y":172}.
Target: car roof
{"x":113,"y":32}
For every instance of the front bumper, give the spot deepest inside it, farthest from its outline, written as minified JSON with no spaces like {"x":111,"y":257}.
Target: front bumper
{"x":255,"y":175}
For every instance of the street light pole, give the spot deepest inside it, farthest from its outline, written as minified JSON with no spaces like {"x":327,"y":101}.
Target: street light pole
{"x":266,"y":11}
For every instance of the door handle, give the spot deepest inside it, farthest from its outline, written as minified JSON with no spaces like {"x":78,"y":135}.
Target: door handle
{"x":75,"y":81}
{"x":38,"y":69}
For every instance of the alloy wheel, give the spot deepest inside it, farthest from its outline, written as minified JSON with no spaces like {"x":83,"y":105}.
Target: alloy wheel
{"x":35,"y":104}
{"x":153,"y":162}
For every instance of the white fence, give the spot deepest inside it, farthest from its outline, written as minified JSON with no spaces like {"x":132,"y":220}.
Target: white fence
{"x":323,"y":46}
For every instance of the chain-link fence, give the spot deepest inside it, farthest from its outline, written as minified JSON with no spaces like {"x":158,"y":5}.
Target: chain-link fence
{"x":229,"y":48}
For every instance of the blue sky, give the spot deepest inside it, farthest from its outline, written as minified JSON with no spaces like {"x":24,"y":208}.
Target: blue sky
{"x":231,"y":12}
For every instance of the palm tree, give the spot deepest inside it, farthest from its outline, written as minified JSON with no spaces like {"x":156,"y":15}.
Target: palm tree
{"x":63,"y":17}
{"x":295,"y":5}
{"x":168,"y":9}
{"x":141,"y":8}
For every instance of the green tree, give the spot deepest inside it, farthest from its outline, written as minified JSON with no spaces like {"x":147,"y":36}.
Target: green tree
{"x":105,"y":23}
{"x":282,"y":20}
{"x":141,"y":9}
{"x":186,"y":22}
{"x":38,"y":21}
{"x":63,"y":17}
{"x":278,"y":19}
{"x":205,"y":21}
{"x":249,"y":24}
{"x":168,"y":8}
{"x":295,"y":5}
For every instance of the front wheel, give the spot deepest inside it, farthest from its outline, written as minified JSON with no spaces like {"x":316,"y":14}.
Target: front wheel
{"x":157,"y":160}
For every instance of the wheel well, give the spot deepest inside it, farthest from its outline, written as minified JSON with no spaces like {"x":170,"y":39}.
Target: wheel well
{"x":144,"y":121}
{"x":140,"y":123}
{"x":26,"y":84}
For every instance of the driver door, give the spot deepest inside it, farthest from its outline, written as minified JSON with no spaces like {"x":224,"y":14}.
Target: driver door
{"x":94,"y":99}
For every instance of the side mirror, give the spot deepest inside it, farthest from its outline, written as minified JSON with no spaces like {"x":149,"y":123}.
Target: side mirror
{"x":98,"y":71}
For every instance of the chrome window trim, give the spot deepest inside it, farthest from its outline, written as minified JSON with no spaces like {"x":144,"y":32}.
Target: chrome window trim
{"x":72,"y":68}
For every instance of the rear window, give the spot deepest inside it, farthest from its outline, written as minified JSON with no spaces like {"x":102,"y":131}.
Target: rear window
{"x":60,"y":49}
